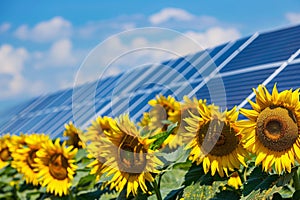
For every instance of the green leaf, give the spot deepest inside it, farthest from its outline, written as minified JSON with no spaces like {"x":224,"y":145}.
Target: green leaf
{"x":94,"y":194}
{"x":139,"y":196}
{"x":171,"y":180}
{"x":179,"y":155}
{"x":296,"y":195}
{"x":86,"y":182}
{"x":161,"y":137}
{"x":79,"y":175}
{"x":263,"y":194}
{"x":175,"y":194}
{"x":226,"y":195}
{"x":259,"y":180}
{"x":193,"y":175}
{"x":196,"y":192}
{"x":196,"y":175}
{"x":81,"y":153}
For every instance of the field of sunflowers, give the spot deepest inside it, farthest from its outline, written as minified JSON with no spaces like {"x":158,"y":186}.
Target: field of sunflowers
{"x":185,"y":149}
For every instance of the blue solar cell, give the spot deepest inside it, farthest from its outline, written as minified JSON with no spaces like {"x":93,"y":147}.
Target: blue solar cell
{"x":54,"y":120}
{"x":288,"y":78}
{"x":235,"y":89}
{"x":233,"y":48}
{"x":130,"y":77}
{"x":267,"y":48}
{"x":142,"y":105}
{"x":190,"y":66}
{"x":102,"y":88}
{"x":215,"y":50}
{"x":48,"y":100}
{"x":8,"y":114}
{"x":14,"y":126}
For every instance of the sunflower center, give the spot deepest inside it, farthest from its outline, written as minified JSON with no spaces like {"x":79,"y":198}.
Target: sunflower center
{"x":132,"y":156}
{"x":58,"y":167}
{"x":4,"y":154}
{"x":31,"y":157}
{"x":217,"y":138}
{"x":74,"y":140}
{"x":276,"y":128}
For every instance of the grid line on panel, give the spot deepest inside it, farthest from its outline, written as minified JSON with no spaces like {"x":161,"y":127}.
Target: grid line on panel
{"x":224,"y":49}
{"x":269,"y":47}
{"x":225,"y":62}
{"x":272,"y":76}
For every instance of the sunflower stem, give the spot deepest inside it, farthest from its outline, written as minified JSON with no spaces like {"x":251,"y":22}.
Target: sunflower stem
{"x":296,"y":181}
{"x":157,"y":190}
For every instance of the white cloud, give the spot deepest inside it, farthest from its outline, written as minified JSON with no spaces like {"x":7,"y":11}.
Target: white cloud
{"x":139,"y":49}
{"x":60,"y":54}
{"x":170,"y":13}
{"x":12,"y":63}
{"x":45,"y":31}
{"x":214,"y":36}
{"x":4,"y":27}
{"x":293,"y":18}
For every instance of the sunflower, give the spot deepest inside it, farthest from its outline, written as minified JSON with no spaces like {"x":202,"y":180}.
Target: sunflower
{"x":213,"y":140}
{"x":5,"y":154}
{"x":129,"y":159}
{"x":73,"y":135}
{"x":97,"y":168}
{"x":16,"y":142}
{"x":163,"y":109}
{"x":145,"y":120}
{"x":272,"y":131}
{"x":235,"y":180}
{"x":95,"y":136}
{"x":55,"y":163}
{"x":177,"y":137}
{"x":23,"y":157}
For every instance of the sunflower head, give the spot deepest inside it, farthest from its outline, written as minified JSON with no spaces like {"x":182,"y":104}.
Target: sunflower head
{"x":16,"y":142}
{"x":163,"y":108}
{"x":96,"y":168}
{"x":5,"y":153}
{"x":55,"y":163}
{"x":272,"y":131}
{"x":73,"y":135}
{"x":94,"y":137}
{"x":129,"y":158}
{"x":24,"y":156}
{"x":145,"y":120}
{"x":213,"y":140}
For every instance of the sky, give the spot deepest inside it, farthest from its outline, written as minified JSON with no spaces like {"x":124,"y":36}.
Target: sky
{"x":45,"y":44}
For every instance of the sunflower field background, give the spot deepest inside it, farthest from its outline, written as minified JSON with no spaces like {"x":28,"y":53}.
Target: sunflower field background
{"x":186,"y":149}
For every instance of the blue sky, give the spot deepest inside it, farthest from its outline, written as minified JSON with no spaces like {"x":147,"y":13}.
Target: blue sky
{"x":43,"y":43}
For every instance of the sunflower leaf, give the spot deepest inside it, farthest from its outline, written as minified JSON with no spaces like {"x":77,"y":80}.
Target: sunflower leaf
{"x":94,"y":194}
{"x":175,"y":194}
{"x":196,"y":175}
{"x":259,"y":180}
{"x":161,"y":137}
{"x":271,"y":192}
{"x":81,"y":153}
{"x":202,"y":191}
{"x":226,"y":195}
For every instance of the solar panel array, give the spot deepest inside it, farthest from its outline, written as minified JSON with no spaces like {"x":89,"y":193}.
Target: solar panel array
{"x":267,"y":58}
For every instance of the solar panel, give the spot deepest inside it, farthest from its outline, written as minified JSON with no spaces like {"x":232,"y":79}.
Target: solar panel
{"x":268,"y":58}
